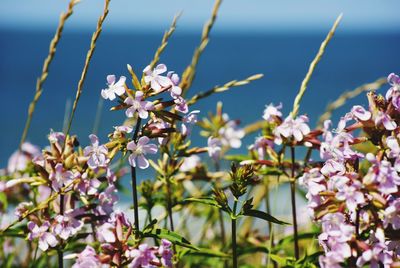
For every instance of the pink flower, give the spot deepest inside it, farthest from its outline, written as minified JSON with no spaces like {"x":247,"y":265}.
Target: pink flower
{"x":60,"y":177}
{"x":19,"y":160}
{"x":214,"y":148}
{"x":107,"y":199}
{"x":392,"y":215}
{"x":105,"y":233}
{"x":296,"y":128}
{"x":97,"y":153}
{"x":175,"y":90}
{"x":188,"y":121}
{"x":260,"y":145}
{"x":138,"y":105}
{"x":351,"y":195}
{"x":181,"y":105}
{"x":46,"y":239}
{"x":56,"y":137}
{"x":67,"y":225}
{"x":141,"y":257}
{"x":271,"y":111}
{"x":113,"y":88}
{"x":153,"y":77}
{"x":190,"y":163}
{"x":139,"y":150}
{"x":360,"y":113}
{"x":394,"y":81}
{"x":166,"y":253}
{"x":385,"y":120}
{"x":87,"y":259}
{"x":231,"y":135}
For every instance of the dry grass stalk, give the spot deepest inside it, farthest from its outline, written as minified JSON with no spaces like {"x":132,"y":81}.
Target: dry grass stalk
{"x":89,"y":55}
{"x":45,"y":69}
{"x":227,"y":86}
{"x":303,"y":87}
{"x":331,"y":107}
{"x":190,"y":71}
{"x":164,"y":41}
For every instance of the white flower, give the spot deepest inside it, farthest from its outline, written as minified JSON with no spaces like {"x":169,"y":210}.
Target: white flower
{"x":113,"y":88}
{"x":153,"y":77}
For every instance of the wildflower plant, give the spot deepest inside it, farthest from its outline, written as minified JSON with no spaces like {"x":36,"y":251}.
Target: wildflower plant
{"x":205,"y":206}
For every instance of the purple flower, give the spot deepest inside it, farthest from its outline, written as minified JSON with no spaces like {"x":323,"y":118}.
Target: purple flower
{"x":138,"y":105}
{"x":351,"y":194}
{"x":141,"y":257}
{"x":60,"y":177}
{"x":188,"y":121}
{"x":330,"y":260}
{"x":105,"y":233}
{"x":394,"y":151}
{"x":394,"y":81}
{"x":360,"y":113}
{"x":46,"y":239}
{"x":87,"y":259}
{"x":97,"y":153}
{"x":385,"y":120}
{"x":271,"y":111}
{"x":392,"y":215}
{"x":383,"y":174}
{"x":190,"y":163}
{"x":296,"y":128}
{"x":378,"y":254}
{"x":56,"y":137}
{"x":88,"y":186}
{"x":22,"y":208}
{"x":181,"y":105}
{"x":231,"y":135}
{"x":175,"y":90}
{"x":153,"y":77}
{"x":67,"y":225}
{"x":332,"y":167}
{"x":113,"y":89}
{"x":334,"y":225}
{"x":166,"y":253}
{"x":139,"y":150}
{"x":19,"y":160}
{"x":260,"y":145}
{"x":214,"y":148}
{"x":107,"y":199}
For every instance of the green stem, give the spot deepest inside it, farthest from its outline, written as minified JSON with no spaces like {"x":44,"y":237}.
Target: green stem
{"x":234,"y":246}
{"x":293,"y":199}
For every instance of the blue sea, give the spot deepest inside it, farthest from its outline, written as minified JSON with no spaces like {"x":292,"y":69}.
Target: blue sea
{"x":351,"y":59}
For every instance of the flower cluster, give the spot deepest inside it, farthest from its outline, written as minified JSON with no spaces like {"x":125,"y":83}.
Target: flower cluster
{"x":355,"y":196}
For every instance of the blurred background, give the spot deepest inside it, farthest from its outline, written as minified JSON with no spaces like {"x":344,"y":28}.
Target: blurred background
{"x":276,"y":38}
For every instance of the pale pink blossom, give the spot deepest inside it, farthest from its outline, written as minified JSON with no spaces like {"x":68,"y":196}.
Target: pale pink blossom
{"x":97,"y":153}
{"x":46,"y":239}
{"x":214,"y":148}
{"x":114,"y":88}
{"x":271,"y":111}
{"x":292,"y":128}
{"x":155,"y":79}
{"x":138,"y":105}
{"x":139,"y":150}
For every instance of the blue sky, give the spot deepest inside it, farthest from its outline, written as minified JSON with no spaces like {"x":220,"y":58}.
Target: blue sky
{"x":235,"y":15}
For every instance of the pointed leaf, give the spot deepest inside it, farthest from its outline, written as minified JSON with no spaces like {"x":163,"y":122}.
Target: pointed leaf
{"x":262,"y":215}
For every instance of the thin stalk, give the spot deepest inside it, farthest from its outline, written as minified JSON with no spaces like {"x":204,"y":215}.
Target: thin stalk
{"x":234,"y":246}
{"x":293,"y":199}
{"x":59,"y":251}
{"x":45,"y":69}
{"x":134,"y":180}
{"x":89,"y":55}
{"x":220,"y":213}
{"x":169,"y":204}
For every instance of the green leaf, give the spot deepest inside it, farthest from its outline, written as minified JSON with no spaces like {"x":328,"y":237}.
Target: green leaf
{"x":205,"y":252}
{"x":282,"y":261}
{"x":3,"y":200}
{"x":236,"y":157}
{"x":262,"y":215}
{"x":252,"y":249}
{"x":270,"y":171}
{"x":204,"y":200}
{"x":170,"y":236}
